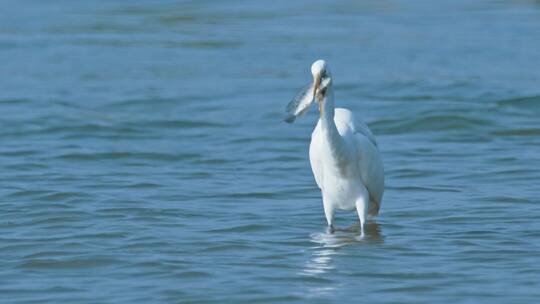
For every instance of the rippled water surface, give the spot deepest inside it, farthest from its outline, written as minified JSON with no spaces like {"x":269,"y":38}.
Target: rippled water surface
{"x":143,"y":155}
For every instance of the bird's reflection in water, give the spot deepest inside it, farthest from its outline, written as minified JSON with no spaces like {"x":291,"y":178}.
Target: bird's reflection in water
{"x":329,"y":245}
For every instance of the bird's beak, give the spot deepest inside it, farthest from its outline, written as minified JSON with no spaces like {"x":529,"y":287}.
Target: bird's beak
{"x":316,"y":85}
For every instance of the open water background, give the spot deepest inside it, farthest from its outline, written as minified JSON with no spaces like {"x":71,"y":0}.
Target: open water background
{"x":143,"y":157}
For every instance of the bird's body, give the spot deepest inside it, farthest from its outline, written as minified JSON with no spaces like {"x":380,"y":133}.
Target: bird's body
{"x":344,"y":156}
{"x":350,"y":177}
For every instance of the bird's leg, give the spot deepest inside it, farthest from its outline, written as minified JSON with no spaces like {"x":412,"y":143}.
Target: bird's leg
{"x":329,"y":213}
{"x":361,"y":209}
{"x":330,"y":229}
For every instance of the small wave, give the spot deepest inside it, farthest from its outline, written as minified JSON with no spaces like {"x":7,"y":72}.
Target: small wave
{"x":529,"y":103}
{"x":14,"y":101}
{"x":78,"y":263}
{"x":429,"y":124}
{"x":183,"y":124}
{"x":128,"y":155}
{"x":59,"y":196}
{"x":194,"y":274}
{"x":534,"y":132}
{"x":241,"y":228}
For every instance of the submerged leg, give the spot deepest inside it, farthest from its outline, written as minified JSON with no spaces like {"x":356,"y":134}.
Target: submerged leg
{"x":329,"y":213}
{"x":361,"y":209}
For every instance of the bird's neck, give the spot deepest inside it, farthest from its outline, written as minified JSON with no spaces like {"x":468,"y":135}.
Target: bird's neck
{"x":327,"y":108}
{"x":332,"y":138}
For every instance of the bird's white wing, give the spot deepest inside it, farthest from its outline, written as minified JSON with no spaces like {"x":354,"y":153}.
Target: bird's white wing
{"x":362,"y":128}
{"x":314,"y":157}
{"x":371,"y":166}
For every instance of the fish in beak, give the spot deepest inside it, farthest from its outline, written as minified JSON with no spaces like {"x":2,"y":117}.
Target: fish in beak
{"x":303,"y":100}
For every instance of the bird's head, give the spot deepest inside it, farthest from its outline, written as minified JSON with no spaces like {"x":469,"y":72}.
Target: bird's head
{"x":322,"y":80}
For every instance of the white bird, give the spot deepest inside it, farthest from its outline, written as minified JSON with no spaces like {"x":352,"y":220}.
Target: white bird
{"x":343,"y":153}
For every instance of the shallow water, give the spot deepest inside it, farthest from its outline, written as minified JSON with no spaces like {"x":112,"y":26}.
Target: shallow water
{"x":143,"y":155}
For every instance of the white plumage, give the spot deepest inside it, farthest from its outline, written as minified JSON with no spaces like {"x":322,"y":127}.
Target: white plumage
{"x":344,"y":155}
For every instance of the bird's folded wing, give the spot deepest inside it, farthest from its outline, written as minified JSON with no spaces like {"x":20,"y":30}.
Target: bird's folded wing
{"x":371,"y":170}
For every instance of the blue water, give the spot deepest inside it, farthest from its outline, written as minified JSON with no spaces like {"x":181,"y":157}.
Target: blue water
{"x":143,"y":155}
